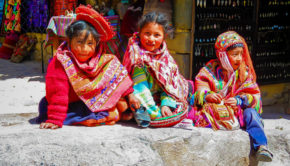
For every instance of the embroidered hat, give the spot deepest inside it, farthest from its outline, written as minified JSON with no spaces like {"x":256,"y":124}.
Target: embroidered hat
{"x":88,"y":14}
{"x":227,"y":40}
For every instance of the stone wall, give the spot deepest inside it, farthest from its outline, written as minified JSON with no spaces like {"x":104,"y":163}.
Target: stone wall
{"x":276,"y":97}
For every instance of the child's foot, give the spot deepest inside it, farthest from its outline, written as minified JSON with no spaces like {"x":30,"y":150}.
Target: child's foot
{"x":264,"y":154}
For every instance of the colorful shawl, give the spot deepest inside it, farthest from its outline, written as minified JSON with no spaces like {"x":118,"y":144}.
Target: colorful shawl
{"x":211,"y":78}
{"x":100,"y":82}
{"x":161,"y":66}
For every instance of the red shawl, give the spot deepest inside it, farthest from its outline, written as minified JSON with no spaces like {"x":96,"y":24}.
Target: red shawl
{"x":100,"y":82}
{"x":161,"y":66}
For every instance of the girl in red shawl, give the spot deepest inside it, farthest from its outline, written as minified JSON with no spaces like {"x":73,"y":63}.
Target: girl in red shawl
{"x":158,"y":85}
{"x":231,"y":80}
{"x":84,"y":85}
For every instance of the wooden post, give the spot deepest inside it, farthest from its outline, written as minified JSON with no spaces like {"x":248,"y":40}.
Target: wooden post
{"x":192,"y":40}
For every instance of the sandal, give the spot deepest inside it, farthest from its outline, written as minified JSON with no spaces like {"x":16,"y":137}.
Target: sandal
{"x":264,"y":154}
{"x":142,"y":117}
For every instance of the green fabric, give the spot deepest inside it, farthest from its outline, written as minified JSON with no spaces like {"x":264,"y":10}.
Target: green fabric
{"x":145,"y":87}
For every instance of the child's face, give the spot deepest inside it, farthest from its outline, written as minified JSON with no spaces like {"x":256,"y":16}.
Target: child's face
{"x":235,"y":57}
{"x":83,"y":49}
{"x":151,"y":36}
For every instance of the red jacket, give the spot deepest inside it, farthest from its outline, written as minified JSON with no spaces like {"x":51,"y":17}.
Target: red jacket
{"x":59,"y":93}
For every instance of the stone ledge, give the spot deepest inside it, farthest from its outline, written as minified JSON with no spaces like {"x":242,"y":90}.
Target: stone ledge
{"x":125,"y":144}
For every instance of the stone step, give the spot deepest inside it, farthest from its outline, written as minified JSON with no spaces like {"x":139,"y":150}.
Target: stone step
{"x":125,"y":144}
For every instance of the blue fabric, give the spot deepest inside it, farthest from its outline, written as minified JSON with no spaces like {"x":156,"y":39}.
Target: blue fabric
{"x":77,"y":112}
{"x":255,"y":127}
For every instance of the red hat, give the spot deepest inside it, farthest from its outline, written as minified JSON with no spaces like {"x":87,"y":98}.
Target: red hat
{"x":88,"y":14}
{"x":8,"y":45}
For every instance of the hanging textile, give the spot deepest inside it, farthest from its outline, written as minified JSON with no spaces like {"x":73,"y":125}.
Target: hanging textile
{"x":35,"y":15}
{"x":113,"y":45}
{"x":12,"y":16}
{"x":58,"y":7}
{"x":1,"y":11}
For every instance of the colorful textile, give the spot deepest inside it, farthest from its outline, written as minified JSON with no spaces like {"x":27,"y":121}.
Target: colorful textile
{"x":59,"y":7}
{"x":79,"y":114}
{"x":60,"y":93}
{"x":226,"y":40}
{"x":114,"y":44}
{"x":35,"y":15}
{"x":24,"y":46}
{"x":151,"y":95}
{"x":99,"y":83}
{"x":12,"y":16}
{"x":161,"y":66}
{"x":56,"y":28}
{"x":1,"y":10}
{"x":213,"y":79}
{"x":157,"y":82}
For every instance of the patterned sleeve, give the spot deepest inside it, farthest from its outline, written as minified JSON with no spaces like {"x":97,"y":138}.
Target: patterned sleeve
{"x":202,"y":85}
{"x":142,"y":92}
{"x":167,"y":100}
{"x":249,"y":96}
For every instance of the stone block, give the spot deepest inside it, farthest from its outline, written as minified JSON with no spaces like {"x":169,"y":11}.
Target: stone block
{"x":180,"y":43}
{"x":126,"y":145}
{"x":182,"y":17}
{"x":183,"y":61}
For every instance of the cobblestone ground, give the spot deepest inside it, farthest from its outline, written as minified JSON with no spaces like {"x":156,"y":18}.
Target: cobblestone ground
{"x":22,"y":85}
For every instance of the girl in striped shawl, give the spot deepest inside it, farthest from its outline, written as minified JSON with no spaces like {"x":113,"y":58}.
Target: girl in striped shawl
{"x":231,"y":79}
{"x":158,"y":85}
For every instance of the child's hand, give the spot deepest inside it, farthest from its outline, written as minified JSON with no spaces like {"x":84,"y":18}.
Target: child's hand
{"x":134,"y":103}
{"x":48,"y":126}
{"x":213,"y":98}
{"x":165,"y":111}
{"x":231,"y":102}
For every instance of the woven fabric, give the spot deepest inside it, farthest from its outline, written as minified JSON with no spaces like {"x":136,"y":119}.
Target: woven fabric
{"x":211,"y":79}
{"x":35,"y":15}
{"x":1,"y":10}
{"x":59,"y":7}
{"x":161,"y":66}
{"x":12,"y":16}
{"x":100,"y":82}
{"x":169,"y":121}
{"x":79,"y":114}
{"x":56,"y":28}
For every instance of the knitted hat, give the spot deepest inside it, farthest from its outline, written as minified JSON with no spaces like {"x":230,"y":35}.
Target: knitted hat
{"x":88,"y":14}
{"x":8,"y":45}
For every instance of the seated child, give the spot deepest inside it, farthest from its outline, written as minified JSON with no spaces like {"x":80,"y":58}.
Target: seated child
{"x":84,"y":85}
{"x":231,"y":79}
{"x":158,"y":85}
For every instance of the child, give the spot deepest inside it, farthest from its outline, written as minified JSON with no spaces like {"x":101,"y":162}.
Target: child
{"x":231,"y":79}
{"x":83,"y":85}
{"x":158,"y":85}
